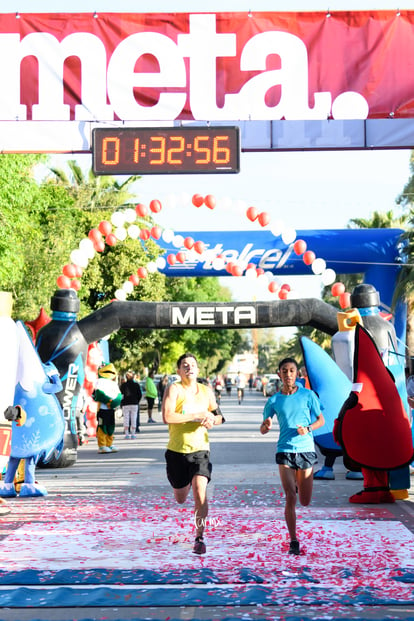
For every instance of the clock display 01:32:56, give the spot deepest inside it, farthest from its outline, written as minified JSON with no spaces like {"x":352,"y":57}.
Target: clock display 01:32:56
{"x":166,"y":150}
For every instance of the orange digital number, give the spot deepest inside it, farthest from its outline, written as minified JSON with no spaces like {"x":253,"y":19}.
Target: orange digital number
{"x":221,"y":154}
{"x":5,"y":440}
{"x":158,"y":150}
{"x":110,"y":144}
{"x":136,"y":151}
{"x":198,"y":141}
{"x":175,"y":150}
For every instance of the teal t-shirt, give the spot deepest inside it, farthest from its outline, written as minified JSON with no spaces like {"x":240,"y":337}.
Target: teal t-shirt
{"x":301,"y":408}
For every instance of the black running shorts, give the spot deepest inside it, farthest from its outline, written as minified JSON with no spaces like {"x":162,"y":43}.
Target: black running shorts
{"x":296,"y":461}
{"x":182,"y":467}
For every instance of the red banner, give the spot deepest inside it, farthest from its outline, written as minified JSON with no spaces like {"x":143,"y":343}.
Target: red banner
{"x":225,"y":66}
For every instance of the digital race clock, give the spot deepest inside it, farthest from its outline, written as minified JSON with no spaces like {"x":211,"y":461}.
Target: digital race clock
{"x":165,"y":150}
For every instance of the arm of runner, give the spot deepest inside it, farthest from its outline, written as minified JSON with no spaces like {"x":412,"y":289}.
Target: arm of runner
{"x":266,"y":426}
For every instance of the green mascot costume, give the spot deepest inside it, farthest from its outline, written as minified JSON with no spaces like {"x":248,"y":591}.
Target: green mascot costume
{"x":108,"y":396}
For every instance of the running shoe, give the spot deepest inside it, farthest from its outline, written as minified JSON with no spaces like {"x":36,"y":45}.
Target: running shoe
{"x":112,"y":449}
{"x":294,"y":547}
{"x":104,"y":449}
{"x":199,"y":546}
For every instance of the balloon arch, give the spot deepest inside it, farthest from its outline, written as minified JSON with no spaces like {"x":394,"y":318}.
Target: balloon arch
{"x":123,"y":224}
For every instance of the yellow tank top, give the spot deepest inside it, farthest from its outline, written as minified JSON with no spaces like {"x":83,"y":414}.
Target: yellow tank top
{"x":190,"y":437}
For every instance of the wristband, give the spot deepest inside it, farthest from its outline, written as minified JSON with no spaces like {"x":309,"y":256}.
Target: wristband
{"x":309,"y":428}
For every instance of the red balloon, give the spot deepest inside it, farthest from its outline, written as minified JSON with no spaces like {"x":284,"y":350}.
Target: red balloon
{"x":229,"y":266}
{"x":285,"y":286}
{"x":252,"y":213}
{"x":251,"y":266}
{"x":99,"y":246}
{"x":197,"y":200}
{"x":199,"y":247}
{"x":69,"y":270}
{"x":171,"y":259}
{"x":237,"y":270}
{"x":337,"y":289}
{"x":264,"y":218}
{"x":156,"y":232}
{"x":111,"y":239}
{"x":309,"y":257}
{"x":141,"y":210}
{"x":181,"y":256}
{"x":259,"y":271}
{"x":283,"y":294}
{"x":63,"y":282}
{"x":75,"y":284}
{"x":142,"y":272}
{"x":105,"y":227}
{"x":345,"y":300}
{"x":79,"y":271}
{"x":134,"y":279}
{"x":95,"y":235}
{"x":144,"y":234}
{"x":299,"y":246}
{"x":155,"y":206}
{"x":189,"y":243}
{"x":273,"y":286}
{"x":210,"y":201}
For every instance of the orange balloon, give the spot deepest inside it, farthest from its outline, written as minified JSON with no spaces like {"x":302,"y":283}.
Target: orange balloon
{"x":111,"y":239}
{"x":189,"y":243}
{"x":299,"y":246}
{"x":199,"y":247}
{"x":283,"y":293}
{"x":252,"y":213}
{"x":75,"y":284}
{"x":197,"y":200}
{"x":273,"y":287}
{"x":337,"y":289}
{"x":155,"y":206}
{"x":156,"y":232}
{"x":95,"y":235}
{"x":181,"y":256}
{"x":210,"y":201}
{"x":105,"y":227}
{"x":309,"y":257}
{"x":263,"y":218}
{"x":144,"y":234}
{"x":69,"y":270}
{"x":171,"y":259}
{"x":142,"y":272}
{"x":345,"y":300}
{"x":141,"y":210}
{"x":99,"y":246}
{"x":134,"y":279}
{"x":63,"y":282}
{"x":236,"y":270}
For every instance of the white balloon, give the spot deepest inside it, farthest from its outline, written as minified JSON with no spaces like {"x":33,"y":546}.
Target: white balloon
{"x":185,"y":198}
{"x":328,"y":277}
{"x":262,"y":280}
{"x":269,"y":276}
{"x":251,"y":273}
{"x":120,"y":294}
{"x":226,"y":203}
{"x":118,"y":218}
{"x":171,"y":201}
{"x":168,"y":235}
{"x":128,"y":287}
{"x":133,"y":231}
{"x":130,"y":215}
{"x":277,"y":227}
{"x":120,"y":233}
{"x":79,"y":258}
{"x":160,"y":263}
{"x":241,"y":205}
{"x":288,"y":235}
{"x":152,"y":267}
{"x":86,"y":246}
{"x":178,"y":241}
{"x":219,"y":263}
{"x":318,"y":266}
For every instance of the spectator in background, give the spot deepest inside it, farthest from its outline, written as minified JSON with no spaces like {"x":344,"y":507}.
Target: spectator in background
{"x":131,"y":396}
{"x":151,"y":394}
{"x":162,"y":385}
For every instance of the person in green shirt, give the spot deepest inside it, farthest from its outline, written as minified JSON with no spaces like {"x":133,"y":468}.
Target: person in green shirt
{"x":151,"y":394}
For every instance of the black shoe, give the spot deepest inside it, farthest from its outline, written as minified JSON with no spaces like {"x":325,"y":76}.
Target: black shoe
{"x":294,"y":547}
{"x":199,"y":546}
